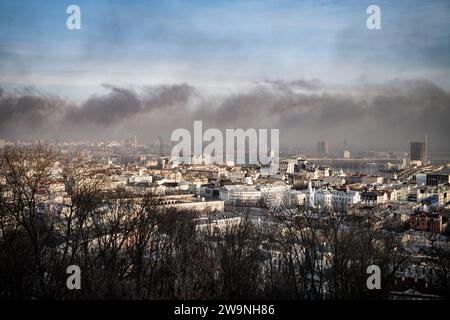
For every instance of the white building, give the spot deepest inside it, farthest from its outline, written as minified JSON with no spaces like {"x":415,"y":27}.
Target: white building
{"x":373,"y":198}
{"x":290,"y":167}
{"x":323,"y":198}
{"x":217,"y":223}
{"x":345,"y":198}
{"x":140,"y":179}
{"x":330,"y":198}
{"x":252,"y":196}
{"x":240,"y":195}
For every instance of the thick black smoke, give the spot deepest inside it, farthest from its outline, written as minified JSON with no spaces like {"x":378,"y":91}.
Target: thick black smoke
{"x":388,"y":115}
{"x":121,"y":104}
{"x":366,"y":115}
{"x":109,"y":109}
{"x":27,"y":113}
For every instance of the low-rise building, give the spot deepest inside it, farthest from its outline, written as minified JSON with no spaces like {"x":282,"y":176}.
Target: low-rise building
{"x":373,"y":198}
{"x":426,"y":221}
{"x":192,"y":203}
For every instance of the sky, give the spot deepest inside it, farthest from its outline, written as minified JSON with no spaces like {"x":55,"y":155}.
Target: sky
{"x":220,"y":52}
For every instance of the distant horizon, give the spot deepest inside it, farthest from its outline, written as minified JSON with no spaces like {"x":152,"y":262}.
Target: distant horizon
{"x":310,"y":148}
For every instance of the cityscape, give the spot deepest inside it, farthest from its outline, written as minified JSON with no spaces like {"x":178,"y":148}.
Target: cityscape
{"x":403,"y":196}
{"x":111,"y":189}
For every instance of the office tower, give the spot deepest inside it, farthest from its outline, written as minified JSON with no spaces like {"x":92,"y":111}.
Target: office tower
{"x":418,"y":152}
{"x":322,"y":147}
{"x":135,"y":142}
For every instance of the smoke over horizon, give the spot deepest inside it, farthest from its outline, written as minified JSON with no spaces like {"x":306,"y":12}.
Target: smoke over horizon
{"x":366,"y":115}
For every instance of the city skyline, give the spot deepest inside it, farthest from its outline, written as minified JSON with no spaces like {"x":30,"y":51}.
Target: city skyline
{"x":382,"y":121}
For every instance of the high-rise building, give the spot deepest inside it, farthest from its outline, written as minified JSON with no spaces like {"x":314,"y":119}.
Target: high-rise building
{"x":418,"y":152}
{"x":322,"y":147}
{"x":134,"y":141}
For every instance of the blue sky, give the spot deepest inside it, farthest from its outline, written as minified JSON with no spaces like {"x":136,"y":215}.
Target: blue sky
{"x":219,"y":44}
